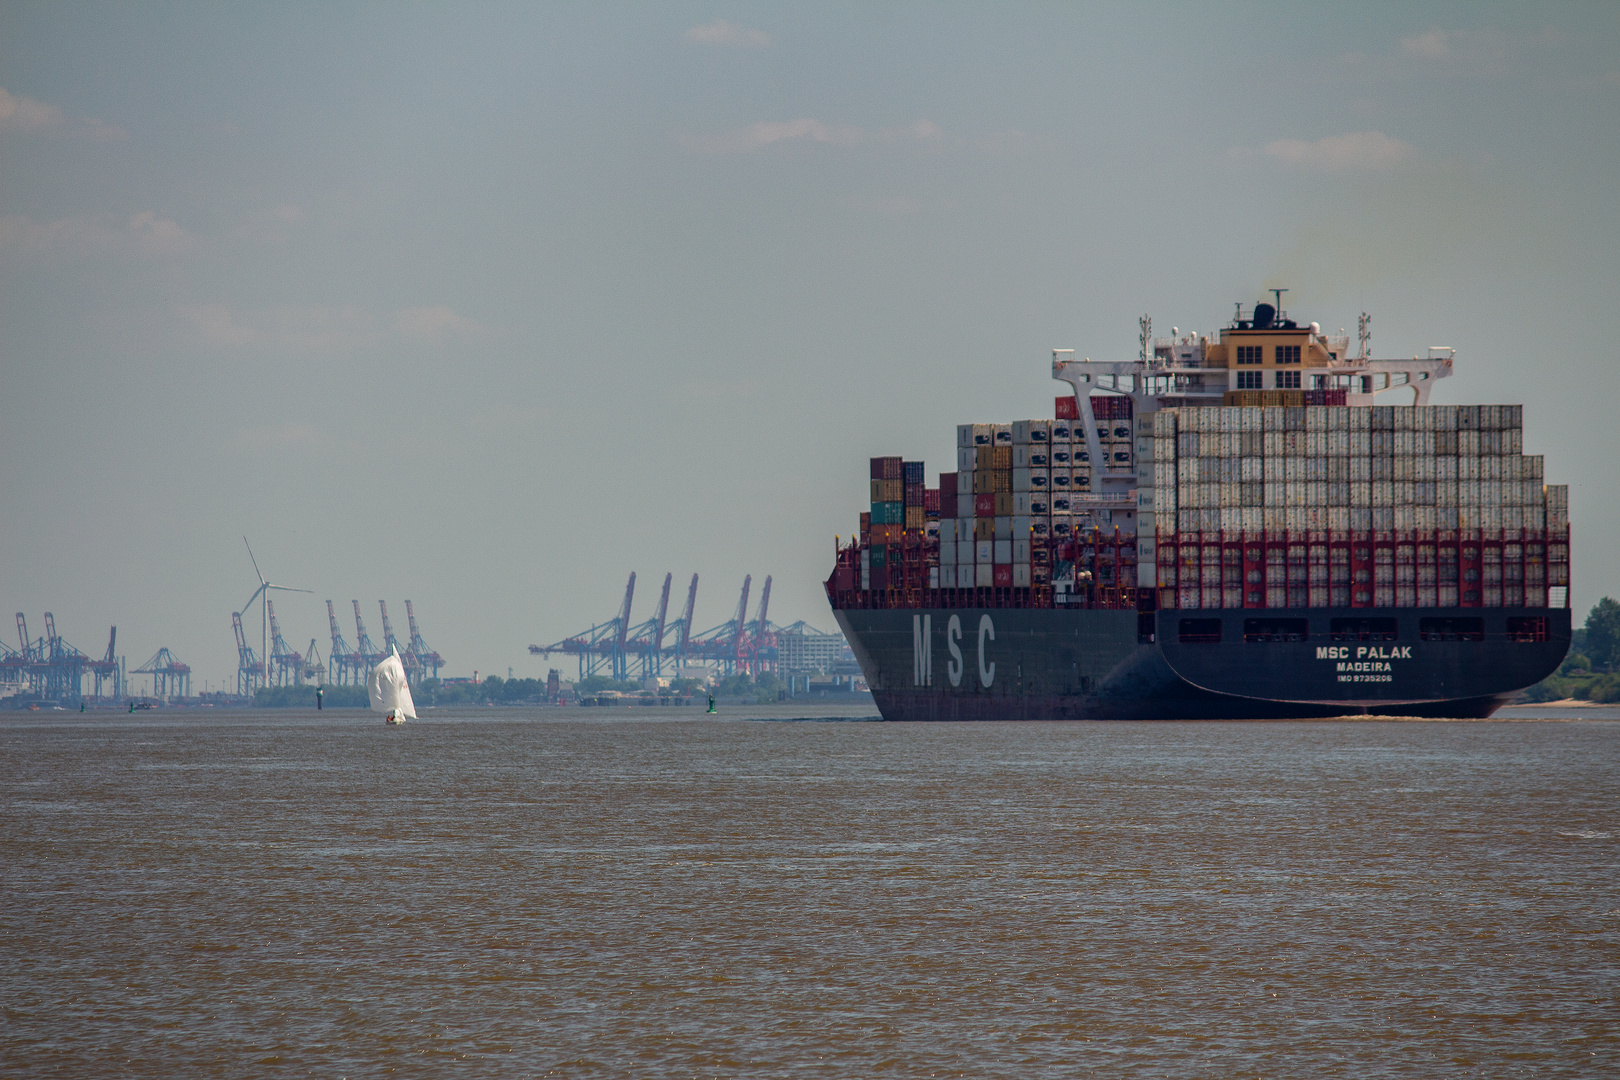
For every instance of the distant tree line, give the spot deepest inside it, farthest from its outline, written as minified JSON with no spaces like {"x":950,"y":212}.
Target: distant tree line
{"x":1591,"y":671}
{"x":498,"y":691}
{"x":303,"y":697}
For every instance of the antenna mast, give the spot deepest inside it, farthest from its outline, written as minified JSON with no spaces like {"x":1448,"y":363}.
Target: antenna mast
{"x":1146,"y":337}
{"x":1364,"y":332}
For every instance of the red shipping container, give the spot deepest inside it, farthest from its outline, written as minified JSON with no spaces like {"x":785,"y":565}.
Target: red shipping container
{"x":984,"y":505}
{"x":1003,"y":577}
{"x":880,"y":577}
{"x":886,"y":468}
{"x":947,"y":483}
{"x":931,"y":501}
{"x":1067,"y":407}
{"x":947,"y":505}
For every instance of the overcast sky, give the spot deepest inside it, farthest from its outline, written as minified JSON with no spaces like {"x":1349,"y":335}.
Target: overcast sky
{"x":487,"y":306}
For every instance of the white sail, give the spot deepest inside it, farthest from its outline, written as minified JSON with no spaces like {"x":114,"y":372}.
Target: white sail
{"x":390,"y":692}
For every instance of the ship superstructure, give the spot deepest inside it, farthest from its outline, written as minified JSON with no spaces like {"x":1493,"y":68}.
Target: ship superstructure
{"x":1235,"y":524}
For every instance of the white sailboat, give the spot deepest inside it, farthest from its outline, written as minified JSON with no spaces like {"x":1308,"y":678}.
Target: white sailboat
{"x":390,"y":691}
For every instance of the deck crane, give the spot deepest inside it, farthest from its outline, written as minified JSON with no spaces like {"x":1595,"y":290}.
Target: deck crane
{"x":425,"y":656}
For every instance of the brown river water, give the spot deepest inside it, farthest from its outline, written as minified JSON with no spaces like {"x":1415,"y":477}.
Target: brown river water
{"x":584,"y":894}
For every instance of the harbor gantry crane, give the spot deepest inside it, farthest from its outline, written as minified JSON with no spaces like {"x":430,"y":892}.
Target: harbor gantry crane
{"x":600,"y":646}
{"x":286,"y":662}
{"x":170,"y":678}
{"x":736,"y":645}
{"x":367,"y":653}
{"x":427,"y":659}
{"x":343,"y":662}
{"x":683,"y":626}
{"x":724,"y":644}
{"x":391,"y":644}
{"x":64,"y":666}
{"x":647,"y":639}
{"x":108,"y":667}
{"x":314,"y":671}
{"x":249,"y":671}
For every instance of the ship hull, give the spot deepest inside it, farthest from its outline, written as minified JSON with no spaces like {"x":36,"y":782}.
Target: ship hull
{"x":1057,"y":664}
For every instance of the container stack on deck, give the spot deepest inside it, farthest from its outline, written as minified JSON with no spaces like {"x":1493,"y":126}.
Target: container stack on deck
{"x":1015,"y":526}
{"x":1241,"y":506}
{"x":1379,"y":506}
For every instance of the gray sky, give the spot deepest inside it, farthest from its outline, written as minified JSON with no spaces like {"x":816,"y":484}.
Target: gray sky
{"x":486,"y":306}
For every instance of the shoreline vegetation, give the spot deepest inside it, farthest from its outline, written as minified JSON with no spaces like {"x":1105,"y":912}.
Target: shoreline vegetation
{"x":429,"y":693}
{"x":1590,"y":674}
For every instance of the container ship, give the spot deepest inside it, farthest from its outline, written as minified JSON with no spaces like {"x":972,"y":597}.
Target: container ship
{"x":1232,"y":525}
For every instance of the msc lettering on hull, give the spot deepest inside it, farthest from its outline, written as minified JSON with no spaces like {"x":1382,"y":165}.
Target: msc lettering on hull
{"x":1375,"y":652}
{"x":921,"y":654}
{"x":922,"y":651}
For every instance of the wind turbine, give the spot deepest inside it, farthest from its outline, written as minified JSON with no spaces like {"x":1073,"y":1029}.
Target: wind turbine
{"x":262,"y":594}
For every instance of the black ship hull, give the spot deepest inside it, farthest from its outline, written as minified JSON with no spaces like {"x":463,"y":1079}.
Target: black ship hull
{"x":1091,"y":664}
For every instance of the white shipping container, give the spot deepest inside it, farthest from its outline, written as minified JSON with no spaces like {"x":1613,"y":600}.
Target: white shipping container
{"x":984,"y":575}
{"x":1020,"y":527}
{"x":1020,"y":575}
{"x":966,"y":461}
{"x":1025,"y":432}
{"x":967,"y":551}
{"x":1003,"y":528}
{"x":984,"y":551}
{"x":984,"y":434}
{"x":947,"y":553}
{"x":964,"y":435}
{"x":1060,"y":431}
{"x":1001,"y":434}
{"x":1062,"y":456}
{"x":1020,"y":551}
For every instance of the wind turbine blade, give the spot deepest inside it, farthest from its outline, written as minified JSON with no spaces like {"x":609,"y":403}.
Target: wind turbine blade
{"x":254,"y":561}
{"x":254,"y":597}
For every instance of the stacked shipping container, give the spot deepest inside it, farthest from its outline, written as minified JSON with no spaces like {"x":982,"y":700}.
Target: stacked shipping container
{"x":1240,"y":506}
{"x":1015,"y":525}
{"x":1381,"y":506}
